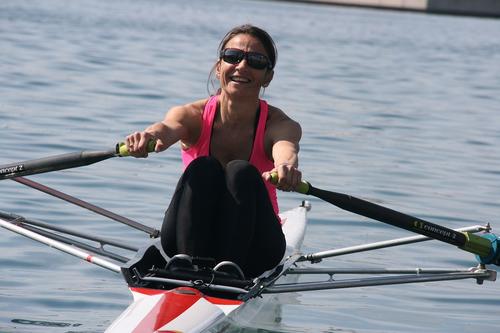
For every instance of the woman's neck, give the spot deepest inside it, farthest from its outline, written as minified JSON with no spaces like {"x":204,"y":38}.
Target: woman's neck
{"x":239,"y":110}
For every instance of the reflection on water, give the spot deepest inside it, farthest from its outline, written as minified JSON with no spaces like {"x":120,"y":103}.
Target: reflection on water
{"x":43,"y":323}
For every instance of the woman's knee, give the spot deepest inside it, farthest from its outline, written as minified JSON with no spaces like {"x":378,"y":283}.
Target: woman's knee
{"x":204,"y":169}
{"x":240,"y":171}
{"x":204,"y":164}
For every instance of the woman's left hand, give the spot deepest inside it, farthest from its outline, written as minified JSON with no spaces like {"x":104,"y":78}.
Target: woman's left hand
{"x":289,"y":177}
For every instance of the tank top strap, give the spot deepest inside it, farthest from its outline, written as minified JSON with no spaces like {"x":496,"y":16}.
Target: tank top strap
{"x":258,"y":158}
{"x":202,"y":146}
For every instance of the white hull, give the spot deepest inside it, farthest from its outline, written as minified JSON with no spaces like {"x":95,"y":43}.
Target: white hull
{"x":187,"y":310}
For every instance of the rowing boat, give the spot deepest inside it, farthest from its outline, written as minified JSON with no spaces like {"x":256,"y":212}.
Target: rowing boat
{"x":203,"y":297}
{"x":185,"y":294}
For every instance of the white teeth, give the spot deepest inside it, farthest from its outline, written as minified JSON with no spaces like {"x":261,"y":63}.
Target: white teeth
{"x":239,"y":79}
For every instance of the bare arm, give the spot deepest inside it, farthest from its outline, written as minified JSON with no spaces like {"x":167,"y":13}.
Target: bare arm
{"x":284,"y":135}
{"x":180,"y":123}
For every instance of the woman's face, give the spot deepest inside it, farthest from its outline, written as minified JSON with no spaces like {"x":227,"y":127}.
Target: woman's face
{"x":241,"y":79}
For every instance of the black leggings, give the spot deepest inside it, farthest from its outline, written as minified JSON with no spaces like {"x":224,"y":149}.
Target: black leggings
{"x":225,"y":214}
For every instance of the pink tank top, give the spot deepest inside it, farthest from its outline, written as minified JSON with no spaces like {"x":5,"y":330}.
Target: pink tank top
{"x":258,"y":156}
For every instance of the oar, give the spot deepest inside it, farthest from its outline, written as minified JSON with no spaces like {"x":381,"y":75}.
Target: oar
{"x":72,"y":160}
{"x":485,"y":246}
{"x":63,"y":161}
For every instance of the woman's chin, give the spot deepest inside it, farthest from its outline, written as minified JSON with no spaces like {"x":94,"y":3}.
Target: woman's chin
{"x":241,"y":90}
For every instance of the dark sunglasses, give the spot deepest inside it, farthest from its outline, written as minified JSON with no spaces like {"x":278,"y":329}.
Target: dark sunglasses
{"x":254,"y":59}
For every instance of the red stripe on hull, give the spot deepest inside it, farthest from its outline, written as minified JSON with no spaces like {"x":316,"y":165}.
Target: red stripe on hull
{"x":214,"y":300}
{"x":172,"y":304}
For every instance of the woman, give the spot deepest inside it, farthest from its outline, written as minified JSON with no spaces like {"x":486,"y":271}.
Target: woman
{"x":224,"y":206}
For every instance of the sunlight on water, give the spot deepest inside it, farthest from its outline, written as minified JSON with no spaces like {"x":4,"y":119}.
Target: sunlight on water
{"x":398,"y":108}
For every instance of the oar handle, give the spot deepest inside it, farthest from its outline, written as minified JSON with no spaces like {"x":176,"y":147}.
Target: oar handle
{"x":122,"y":150}
{"x":302,"y":187}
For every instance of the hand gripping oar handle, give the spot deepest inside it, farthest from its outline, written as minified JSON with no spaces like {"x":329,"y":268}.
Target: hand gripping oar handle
{"x":122,"y":151}
{"x":485,"y":246}
{"x":64,"y":161}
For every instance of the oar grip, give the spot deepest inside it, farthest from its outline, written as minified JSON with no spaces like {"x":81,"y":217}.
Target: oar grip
{"x":477,"y":244}
{"x":303,"y":186}
{"x":486,"y":247}
{"x":122,"y":150}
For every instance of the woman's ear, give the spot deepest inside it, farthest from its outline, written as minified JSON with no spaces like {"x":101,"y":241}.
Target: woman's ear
{"x":268,"y":78}
{"x":217,"y":70}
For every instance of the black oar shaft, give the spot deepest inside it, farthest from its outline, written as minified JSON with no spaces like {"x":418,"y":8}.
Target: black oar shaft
{"x":65,"y":161}
{"x":151,"y":231}
{"x":389,"y":216}
{"x":467,"y":241}
{"x":53,"y":163}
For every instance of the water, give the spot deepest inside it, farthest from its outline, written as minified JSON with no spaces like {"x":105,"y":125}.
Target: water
{"x":400,"y":108}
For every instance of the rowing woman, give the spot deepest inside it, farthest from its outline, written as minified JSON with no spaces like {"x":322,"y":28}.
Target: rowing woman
{"x":224,"y":206}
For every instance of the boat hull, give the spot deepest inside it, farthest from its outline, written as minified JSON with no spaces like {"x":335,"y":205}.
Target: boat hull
{"x":189,"y":310}
{"x":181,"y":309}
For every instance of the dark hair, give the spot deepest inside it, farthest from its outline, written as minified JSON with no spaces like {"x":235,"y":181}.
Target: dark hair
{"x":247,"y":29}
{"x":261,"y":35}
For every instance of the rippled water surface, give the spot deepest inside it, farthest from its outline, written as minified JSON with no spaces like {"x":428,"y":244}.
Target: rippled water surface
{"x":399,"y":108}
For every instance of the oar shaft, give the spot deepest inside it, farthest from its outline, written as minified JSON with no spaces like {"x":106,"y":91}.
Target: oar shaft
{"x":466,"y":241}
{"x":387,"y":215}
{"x":53,"y":163}
{"x":64,"y":161}
{"x":14,"y":171}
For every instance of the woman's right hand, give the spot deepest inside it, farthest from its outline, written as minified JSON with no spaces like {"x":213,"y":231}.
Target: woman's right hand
{"x":137,"y":143}
{"x":165,"y":133}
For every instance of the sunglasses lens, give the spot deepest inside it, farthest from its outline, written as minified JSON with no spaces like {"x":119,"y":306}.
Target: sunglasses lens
{"x":232,"y":56}
{"x":255,"y":60}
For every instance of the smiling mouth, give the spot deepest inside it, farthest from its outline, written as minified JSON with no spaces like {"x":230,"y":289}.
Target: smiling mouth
{"x":239,"y":79}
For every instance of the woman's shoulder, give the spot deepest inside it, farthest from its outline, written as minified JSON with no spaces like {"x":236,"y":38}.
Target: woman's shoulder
{"x":187,"y":117}
{"x":192,"y":108}
{"x":188,"y":114}
{"x":277,"y":116}
{"x":275,"y":112}
{"x":280,"y":127}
